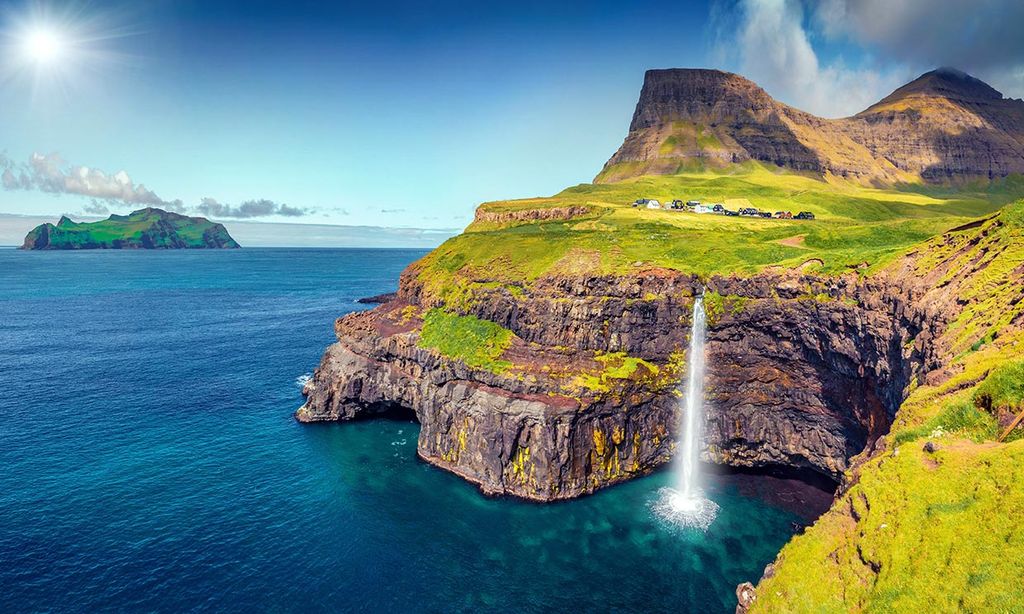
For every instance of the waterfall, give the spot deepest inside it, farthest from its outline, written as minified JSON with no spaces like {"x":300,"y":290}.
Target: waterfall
{"x":693,"y":411}
{"x":685,"y":504}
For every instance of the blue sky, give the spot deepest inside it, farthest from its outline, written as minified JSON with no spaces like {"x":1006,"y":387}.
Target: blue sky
{"x":403,"y":114}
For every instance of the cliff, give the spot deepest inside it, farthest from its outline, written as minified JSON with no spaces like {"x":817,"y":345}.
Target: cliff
{"x":892,"y":383}
{"x":804,"y":371}
{"x":148,"y":228}
{"x":930,"y":515}
{"x":878,"y":345}
{"x":944,"y":126}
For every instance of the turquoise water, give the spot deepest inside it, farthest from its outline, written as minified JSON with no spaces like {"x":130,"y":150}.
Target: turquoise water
{"x":150,"y":462}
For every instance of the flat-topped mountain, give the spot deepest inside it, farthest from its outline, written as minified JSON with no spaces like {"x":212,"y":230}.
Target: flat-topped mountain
{"x":943,"y":126}
{"x":148,"y":228}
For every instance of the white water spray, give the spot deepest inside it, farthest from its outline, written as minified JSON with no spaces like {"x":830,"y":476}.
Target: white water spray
{"x":685,"y":504}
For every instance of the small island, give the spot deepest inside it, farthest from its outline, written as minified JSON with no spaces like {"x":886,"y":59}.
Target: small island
{"x":148,"y":228}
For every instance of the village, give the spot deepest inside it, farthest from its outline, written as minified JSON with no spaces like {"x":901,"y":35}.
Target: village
{"x":696,"y":206}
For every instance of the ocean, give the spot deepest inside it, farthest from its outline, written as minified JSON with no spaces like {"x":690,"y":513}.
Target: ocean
{"x":149,"y":462}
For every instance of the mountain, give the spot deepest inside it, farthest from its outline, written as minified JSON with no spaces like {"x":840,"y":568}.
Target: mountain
{"x":148,"y":228}
{"x":943,"y":126}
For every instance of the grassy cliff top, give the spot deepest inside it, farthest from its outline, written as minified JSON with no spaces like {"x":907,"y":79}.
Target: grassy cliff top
{"x":592,"y":228}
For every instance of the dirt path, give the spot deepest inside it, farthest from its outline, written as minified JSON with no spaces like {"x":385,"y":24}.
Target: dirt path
{"x":794,"y":241}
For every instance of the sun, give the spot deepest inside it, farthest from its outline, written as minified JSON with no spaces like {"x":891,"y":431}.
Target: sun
{"x":59,"y":49}
{"x":43,"y":45}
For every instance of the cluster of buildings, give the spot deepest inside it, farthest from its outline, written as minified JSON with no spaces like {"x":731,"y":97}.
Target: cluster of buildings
{"x":695,"y":206}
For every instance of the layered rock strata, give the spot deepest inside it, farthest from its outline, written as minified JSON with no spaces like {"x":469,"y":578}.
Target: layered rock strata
{"x":943,"y":126}
{"x":802,"y":372}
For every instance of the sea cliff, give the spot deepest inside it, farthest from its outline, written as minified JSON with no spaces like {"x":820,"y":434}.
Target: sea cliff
{"x":877,"y":345}
{"x":804,"y":371}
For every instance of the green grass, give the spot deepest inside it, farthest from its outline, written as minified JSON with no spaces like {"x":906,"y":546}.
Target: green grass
{"x":857,"y":228}
{"x":716,"y":305}
{"x":669,"y":145}
{"x":960,"y":418}
{"x":478,"y":343}
{"x":615,"y":366}
{"x":1003,"y":388}
{"x":990,"y":298}
{"x":943,"y":530}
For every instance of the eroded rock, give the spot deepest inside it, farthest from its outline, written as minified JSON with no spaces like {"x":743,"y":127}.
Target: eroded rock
{"x":802,"y":372}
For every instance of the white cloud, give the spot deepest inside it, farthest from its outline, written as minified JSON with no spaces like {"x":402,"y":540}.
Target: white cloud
{"x":50,"y":173}
{"x":248,"y":209}
{"x":982,"y":37}
{"x":772,"y":47}
{"x":776,"y":43}
{"x":96,"y":208}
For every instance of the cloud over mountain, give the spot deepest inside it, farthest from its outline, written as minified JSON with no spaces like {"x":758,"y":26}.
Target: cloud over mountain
{"x":797,"y":49}
{"x":96,"y":208}
{"x":966,"y":33}
{"x":983,"y":38}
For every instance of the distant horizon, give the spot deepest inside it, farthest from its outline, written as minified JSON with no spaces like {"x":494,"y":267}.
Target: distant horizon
{"x":356,"y":114}
{"x":249,"y":233}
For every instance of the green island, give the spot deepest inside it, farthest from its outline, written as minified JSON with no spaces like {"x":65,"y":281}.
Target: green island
{"x":148,"y":228}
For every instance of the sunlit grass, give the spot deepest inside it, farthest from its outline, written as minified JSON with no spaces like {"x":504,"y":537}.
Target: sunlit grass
{"x":857,"y":227}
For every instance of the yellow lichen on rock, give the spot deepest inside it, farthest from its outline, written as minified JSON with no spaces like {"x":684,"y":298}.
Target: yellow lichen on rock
{"x":522,"y":470}
{"x":600,"y":441}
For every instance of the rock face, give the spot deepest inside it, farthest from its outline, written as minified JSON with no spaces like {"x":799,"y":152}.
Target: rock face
{"x":945,"y":125}
{"x":148,"y":228}
{"x":550,"y":213}
{"x":802,"y":372}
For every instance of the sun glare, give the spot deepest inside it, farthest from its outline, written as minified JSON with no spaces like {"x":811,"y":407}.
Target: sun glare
{"x":60,"y":49}
{"x":43,"y":45}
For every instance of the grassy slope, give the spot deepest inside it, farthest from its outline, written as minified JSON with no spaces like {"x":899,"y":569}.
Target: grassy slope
{"x":476,"y":342}
{"x":855,"y":225}
{"x":943,"y":529}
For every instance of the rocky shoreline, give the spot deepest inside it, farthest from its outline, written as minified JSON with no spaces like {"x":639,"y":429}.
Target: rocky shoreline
{"x":803,"y":372}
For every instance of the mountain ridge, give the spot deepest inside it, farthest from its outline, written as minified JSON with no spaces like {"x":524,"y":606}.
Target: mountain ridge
{"x":944,"y":126}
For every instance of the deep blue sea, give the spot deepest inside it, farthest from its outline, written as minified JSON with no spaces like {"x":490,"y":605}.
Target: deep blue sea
{"x":149,"y":462}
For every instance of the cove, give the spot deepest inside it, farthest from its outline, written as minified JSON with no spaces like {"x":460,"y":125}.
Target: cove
{"x":166,"y":471}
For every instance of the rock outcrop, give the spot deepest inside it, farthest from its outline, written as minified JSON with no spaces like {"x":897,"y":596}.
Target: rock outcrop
{"x":802,"y":372}
{"x":521,"y":215}
{"x":943,"y":126}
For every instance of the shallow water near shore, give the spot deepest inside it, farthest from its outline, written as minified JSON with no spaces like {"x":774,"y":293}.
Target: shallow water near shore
{"x":151,"y":462}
